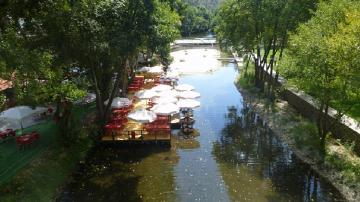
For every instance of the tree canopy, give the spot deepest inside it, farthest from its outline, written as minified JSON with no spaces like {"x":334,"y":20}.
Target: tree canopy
{"x":322,"y":57}
{"x":56,"y":50}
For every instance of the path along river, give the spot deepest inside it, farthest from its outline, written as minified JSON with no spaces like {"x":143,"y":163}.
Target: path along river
{"x":234,"y":157}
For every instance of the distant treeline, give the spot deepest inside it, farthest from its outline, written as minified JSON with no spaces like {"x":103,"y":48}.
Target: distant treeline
{"x":196,"y":16}
{"x":209,"y":4}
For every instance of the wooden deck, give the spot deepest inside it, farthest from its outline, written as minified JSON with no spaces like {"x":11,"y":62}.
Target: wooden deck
{"x":134,"y":133}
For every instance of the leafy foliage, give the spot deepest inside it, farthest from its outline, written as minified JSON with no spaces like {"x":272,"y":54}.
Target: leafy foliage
{"x":195,"y":18}
{"x":323,"y":56}
{"x":259,"y":29}
{"x":208,"y":4}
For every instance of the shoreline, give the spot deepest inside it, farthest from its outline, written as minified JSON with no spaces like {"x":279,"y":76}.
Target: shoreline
{"x":286,"y":112}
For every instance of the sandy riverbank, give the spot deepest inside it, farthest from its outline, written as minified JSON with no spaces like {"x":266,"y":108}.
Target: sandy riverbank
{"x":195,"y":60}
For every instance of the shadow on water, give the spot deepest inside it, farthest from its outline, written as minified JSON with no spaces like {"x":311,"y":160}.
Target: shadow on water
{"x":257,"y":166}
{"x":126,"y":172}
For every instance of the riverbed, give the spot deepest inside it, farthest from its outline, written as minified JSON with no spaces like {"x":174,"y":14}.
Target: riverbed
{"x":233,"y":156}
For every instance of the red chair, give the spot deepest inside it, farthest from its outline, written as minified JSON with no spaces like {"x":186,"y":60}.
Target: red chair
{"x":133,"y":88}
{"x":120,"y":112}
{"x":50,"y":110}
{"x":7,"y":133}
{"x":119,"y":120}
{"x":27,"y":139}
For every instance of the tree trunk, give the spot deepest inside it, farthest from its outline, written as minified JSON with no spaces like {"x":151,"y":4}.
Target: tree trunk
{"x":114,"y":89}
{"x":246,"y":67}
{"x":99,"y":100}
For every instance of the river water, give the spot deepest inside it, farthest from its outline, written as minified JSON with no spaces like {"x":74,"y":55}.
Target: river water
{"x":233,"y":156}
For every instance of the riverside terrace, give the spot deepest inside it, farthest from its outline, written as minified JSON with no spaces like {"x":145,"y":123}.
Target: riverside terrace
{"x":133,"y":122}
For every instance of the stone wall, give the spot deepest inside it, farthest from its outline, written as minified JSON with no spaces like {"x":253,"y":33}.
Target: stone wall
{"x":347,"y":129}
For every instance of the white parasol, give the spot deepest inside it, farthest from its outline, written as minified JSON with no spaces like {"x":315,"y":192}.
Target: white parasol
{"x":142,"y":115}
{"x":168,"y":93}
{"x":165,"y":99}
{"x":184,"y":87}
{"x":20,"y":117}
{"x":188,"y":103}
{"x":119,"y":102}
{"x":161,"y":87}
{"x":145,"y":94}
{"x":188,"y":94}
{"x":156,"y":69}
{"x":165,"y":109}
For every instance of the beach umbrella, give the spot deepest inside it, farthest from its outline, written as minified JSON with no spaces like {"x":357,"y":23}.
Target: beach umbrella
{"x":145,"y":94}
{"x":188,"y":94}
{"x":144,"y":69}
{"x":165,"y":99}
{"x":167,"y":93}
{"x":156,"y":69}
{"x":165,"y":109}
{"x":161,"y":87}
{"x":21,"y":117}
{"x":89,"y":98}
{"x":119,"y":102}
{"x":173,"y":75}
{"x":184,"y":87}
{"x":142,"y":115}
{"x":188,"y":103}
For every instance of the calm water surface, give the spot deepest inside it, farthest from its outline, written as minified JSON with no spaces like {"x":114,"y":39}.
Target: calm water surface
{"x":232,"y":157}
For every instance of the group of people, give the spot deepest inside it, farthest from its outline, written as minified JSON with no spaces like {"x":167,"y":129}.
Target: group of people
{"x":187,"y":121}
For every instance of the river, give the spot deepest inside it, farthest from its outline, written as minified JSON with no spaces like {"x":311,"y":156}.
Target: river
{"x":232,"y":157}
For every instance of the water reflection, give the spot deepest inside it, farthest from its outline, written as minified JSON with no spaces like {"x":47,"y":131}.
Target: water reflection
{"x":257,"y":166}
{"x":125,"y":174}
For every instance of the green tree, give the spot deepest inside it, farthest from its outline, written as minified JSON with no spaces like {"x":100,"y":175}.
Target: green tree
{"x":163,"y":28}
{"x":260,"y":29}
{"x":323,"y":58}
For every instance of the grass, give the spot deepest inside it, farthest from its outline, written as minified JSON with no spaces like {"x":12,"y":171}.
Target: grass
{"x":307,"y":139}
{"x":36,"y":173}
{"x":247,"y":81}
{"x":338,"y":156}
{"x":12,"y":159}
{"x":354,"y":111}
{"x":342,"y":158}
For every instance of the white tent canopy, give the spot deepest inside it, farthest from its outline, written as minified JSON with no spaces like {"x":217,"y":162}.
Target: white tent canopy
{"x":165,"y":109}
{"x":20,"y":117}
{"x":142,"y":115}
{"x":188,"y":103}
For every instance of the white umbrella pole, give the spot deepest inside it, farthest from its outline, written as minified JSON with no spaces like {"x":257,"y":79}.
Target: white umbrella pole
{"x":22,"y":128}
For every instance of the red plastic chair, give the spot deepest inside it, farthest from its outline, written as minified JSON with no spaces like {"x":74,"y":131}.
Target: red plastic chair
{"x":27,"y":139}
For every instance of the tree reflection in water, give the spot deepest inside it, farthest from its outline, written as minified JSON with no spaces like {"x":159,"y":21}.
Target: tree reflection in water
{"x":247,"y":147}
